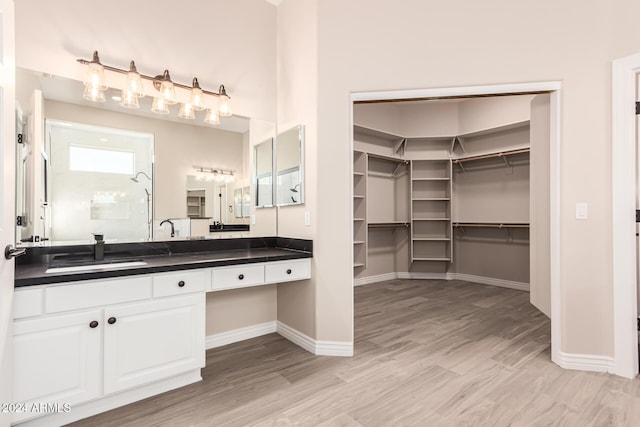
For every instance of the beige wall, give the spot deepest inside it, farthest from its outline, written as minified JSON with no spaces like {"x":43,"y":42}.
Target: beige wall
{"x":238,"y":308}
{"x":362,"y":47}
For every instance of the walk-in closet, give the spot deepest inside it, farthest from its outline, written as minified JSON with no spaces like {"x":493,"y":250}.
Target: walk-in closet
{"x":453,"y":189}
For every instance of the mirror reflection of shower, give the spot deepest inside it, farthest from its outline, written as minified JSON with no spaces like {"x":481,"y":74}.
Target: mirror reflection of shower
{"x":149,"y":220}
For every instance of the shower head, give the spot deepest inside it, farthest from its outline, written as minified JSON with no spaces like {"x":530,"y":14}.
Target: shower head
{"x":135,"y":178}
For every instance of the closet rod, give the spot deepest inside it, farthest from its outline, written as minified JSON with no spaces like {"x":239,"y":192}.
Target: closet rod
{"x":392,"y":159}
{"x":388,"y":225}
{"x":493,"y":155}
{"x":490,"y":225}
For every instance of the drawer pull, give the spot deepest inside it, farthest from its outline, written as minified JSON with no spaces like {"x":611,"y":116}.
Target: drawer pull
{"x":181,"y":283}
{"x":111,"y":320}
{"x":93,"y":324}
{"x":289,"y":271}
{"x":240,"y":277}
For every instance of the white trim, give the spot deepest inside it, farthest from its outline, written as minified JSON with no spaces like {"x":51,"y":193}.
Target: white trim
{"x":319,"y":348}
{"x":586,"y":362}
{"x":555,"y":237}
{"x":375,"y":279}
{"x":107,"y":403}
{"x":501,"y":283}
{"x":520,"y":286}
{"x":555,"y":267}
{"x":424,"y":276}
{"x":623,"y":190}
{"x":236,"y":335}
{"x":296,"y":337}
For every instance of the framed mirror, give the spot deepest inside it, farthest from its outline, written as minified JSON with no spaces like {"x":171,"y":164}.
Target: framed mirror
{"x":178,"y":151}
{"x":290,"y":167}
{"x":263,"y":173}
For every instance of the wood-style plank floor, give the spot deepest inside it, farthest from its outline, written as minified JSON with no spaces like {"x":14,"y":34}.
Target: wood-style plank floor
{"x":427,"y":353}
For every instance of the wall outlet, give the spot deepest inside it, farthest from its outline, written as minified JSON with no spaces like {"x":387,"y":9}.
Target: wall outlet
{"x":307,"y":218}
{"x":253,"y":219}
{"x":582,"y":210}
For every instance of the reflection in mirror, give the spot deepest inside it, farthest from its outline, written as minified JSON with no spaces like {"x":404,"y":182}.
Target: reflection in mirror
{"x":47,"y":182}
{"x":289,"y":166}
{"x":242,"y":201}
{"x":263,"y":155}
{"x":100,"y":182}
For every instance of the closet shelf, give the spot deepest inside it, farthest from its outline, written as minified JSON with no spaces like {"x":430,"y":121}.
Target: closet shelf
{"x":355,"y":196}
{"x":431,"y":239}
{"x":430,"y":199}
{"x":358,"y":242}
{"x":431,"y":219}
{"x":492,"y":155}
{"x":358,"y":219}
{"x":358,"y":264}
{"x":358,"y":173}
{"x":430,"y":179}
{"x":492,"y":224}
{"x":432,"y":259}
{"x":388,"y":224}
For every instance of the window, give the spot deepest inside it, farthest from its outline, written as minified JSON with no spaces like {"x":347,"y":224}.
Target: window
{"x":87,"y":159}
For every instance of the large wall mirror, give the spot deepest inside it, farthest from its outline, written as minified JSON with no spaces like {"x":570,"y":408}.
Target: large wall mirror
{"x":290,"y":166}
{"x":87,"y":167}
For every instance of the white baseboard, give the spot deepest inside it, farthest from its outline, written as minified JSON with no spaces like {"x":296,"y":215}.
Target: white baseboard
{"x":521,"y":286}
{"x":240,"y":334}
{"x":319,"y":348}
{"x":375,"y":279}
{"x":586,"y":362}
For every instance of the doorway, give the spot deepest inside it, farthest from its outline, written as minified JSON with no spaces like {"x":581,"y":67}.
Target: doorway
{"x":553,"y":89}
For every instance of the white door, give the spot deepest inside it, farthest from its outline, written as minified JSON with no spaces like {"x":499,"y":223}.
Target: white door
{"x":7,"y":197}
{"x":57,"y":360}
{"x":540,"y":204}
{"x":150,"y":341}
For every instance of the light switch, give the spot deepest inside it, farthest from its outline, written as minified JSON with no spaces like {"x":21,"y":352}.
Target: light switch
{"x":253,"y":219}
{"x":307,"y":218}
{"x":582,"y":210}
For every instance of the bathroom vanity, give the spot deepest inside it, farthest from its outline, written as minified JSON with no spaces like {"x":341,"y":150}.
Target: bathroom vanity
{"x":94,"y":335}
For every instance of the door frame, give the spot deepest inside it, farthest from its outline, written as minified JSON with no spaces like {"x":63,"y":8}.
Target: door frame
{"x":554,"y":90}
{"x":623,"y":200}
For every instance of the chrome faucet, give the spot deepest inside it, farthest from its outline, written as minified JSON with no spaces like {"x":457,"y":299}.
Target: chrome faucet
{"x":173,"y":231}
{"x":98,"y":249}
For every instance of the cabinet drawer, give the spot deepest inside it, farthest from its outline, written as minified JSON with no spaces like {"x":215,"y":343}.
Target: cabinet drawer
{"x":97,"y":293}
{"x":287,"y":271}
{"x":180,"y":282}
{"x":27,"y":303}
{"x":238,"y":276}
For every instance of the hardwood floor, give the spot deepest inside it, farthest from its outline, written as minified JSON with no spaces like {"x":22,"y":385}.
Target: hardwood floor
{"x":427,"y":353}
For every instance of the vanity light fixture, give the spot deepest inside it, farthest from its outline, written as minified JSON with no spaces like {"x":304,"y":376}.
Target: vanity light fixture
{"x":213,"y":174}
{"x":95,"y":85}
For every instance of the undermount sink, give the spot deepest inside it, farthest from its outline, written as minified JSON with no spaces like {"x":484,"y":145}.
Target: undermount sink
{"x":90,"y":267}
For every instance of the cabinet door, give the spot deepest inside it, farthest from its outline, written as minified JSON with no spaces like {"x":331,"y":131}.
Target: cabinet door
{"x":57,"y":359}
{"x":149,"y":341}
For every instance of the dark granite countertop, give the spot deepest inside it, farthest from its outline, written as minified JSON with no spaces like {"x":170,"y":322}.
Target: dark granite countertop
{"x":158,"y":256}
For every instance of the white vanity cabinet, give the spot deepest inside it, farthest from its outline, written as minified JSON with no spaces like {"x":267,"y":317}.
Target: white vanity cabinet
{"x":58,"y":359}
{"x":69,"y":355}
{"x":149,"y":341}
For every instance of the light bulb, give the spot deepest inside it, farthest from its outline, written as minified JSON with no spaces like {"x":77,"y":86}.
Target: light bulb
{"x":186,"y":111}
{"x":134,"y":82}
{"x":212,"y":117}
{"x":129,"y":99}
{"x":160,"y":106}
{"x":95,"y":74}
{"x":224,"y":103}
{"x":196,"y":99}
{"x":93,"y":93}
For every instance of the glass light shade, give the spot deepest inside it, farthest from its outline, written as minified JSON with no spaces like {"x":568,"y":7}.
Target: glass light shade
{"x":186,"y":111}
{"x":93,"y":93}
{"x":196,"y":99}
{"x":159,"y":106}
{"x":212,"y":117}
{"x":168,"y":92}
{"x":134,"y":84}
{"x":129,"y":99}
{"x":95,"y":76}
{"x":224,"y":106}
